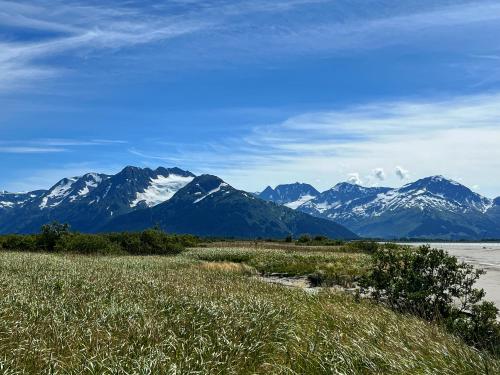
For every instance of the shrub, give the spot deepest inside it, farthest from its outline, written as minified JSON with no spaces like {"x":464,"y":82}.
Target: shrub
{"x":437,"y":287}
{"x":304,"y":239}
{"x":50,"y":234}
{"x":368,"y":247}
{"x":87,"y":244}
{"x":18,"y":242}
{"x":151,"y":241}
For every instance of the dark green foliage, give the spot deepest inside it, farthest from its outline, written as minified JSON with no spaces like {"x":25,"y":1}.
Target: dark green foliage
{"x":368,"y":247}
{"x":18,"y":242}
{"x":318,"y":241}
{"x":226,"y":255}
{"x":50,"y":234}
{"x":57,"y":237}
{"x":479,"y":327}
{"x":289,"y":238}
{"x":435,"y":286}
{"x":151,"y":241}
{"x":87,"y":244}
{"x":304,"y":239}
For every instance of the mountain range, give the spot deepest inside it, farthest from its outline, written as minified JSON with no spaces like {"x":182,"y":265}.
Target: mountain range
{"x":176,"y":200}
{"x":430,"y":208}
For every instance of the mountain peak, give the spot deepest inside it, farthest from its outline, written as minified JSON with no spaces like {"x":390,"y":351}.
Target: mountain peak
{"x":207,"y":181}
{"x":174,"y":170}
{"x":437,"y":179}
{"x":291,"y":195}
{"x":346,"y":186}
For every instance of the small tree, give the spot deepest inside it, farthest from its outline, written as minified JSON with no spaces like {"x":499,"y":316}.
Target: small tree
{"x":304,"y":239}
{"x":50,"y":234}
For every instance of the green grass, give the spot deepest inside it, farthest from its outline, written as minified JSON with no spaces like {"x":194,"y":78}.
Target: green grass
{"x":327,"y":268}
{"x":73,"y":314}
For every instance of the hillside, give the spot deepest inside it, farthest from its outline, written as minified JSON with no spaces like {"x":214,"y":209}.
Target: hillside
{"x":210,"y":207}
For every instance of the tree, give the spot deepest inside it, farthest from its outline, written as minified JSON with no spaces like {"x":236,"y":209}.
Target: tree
{"x":50,"y":234}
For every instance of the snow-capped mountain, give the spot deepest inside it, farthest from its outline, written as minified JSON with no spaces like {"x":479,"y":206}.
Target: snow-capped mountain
{"x":70,"y":190}
{"x":16,"y":200}
{"x":137,"y":198}
{"x":92,"y":198}
{"x":290,"y":195}
{"x":341,"y":195}
{"x":494,"y":211}
{"x":433,"y":207}
{"x":209,"y":206}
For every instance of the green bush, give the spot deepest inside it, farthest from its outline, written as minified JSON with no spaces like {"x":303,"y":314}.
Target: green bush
{"x":18,"y":242}
{"x":435,"y":286}
{"x":87,"y":244}
{"x":50,"y":234}
{"x":304,"y":239}
{"x":57,"y":237}
{"x":152,"y":241}
{"x":368,"y":247}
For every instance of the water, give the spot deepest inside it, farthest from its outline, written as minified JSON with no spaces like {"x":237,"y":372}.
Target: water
{"x":481,"y":255}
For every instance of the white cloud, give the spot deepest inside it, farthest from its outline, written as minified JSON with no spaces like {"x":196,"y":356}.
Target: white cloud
{"x":354,"y":178}
{"x":379,"y":174}
{"x":402,"y":173}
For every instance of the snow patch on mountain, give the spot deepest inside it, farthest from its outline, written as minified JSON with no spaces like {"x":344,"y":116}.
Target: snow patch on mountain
{"x":4,"y":204}
{"x":161,"y":189}
{"x":303,"y":199}
{"x":58,"y":193}
{"x":213,"y":191}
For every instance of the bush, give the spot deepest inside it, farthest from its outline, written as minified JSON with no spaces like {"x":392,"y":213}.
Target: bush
{"x":50,"y":234}
{"x":304,"y":239}
{"x":368,"y":247}
{"x":87,"y":244}
{"x":57,"y":237}
{"x":18,"y":242}
{"x":152,"y":241}
{"x":437,"y":287}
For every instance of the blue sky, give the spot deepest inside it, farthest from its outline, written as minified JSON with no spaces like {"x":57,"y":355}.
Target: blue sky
{"x":257,"y":92}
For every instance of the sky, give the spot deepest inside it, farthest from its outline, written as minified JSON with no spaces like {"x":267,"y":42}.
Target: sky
{"x":374,"y":92}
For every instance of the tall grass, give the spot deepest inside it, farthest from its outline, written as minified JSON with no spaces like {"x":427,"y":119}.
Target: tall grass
{"x":323,"y":268}
{"x":73,"y":314}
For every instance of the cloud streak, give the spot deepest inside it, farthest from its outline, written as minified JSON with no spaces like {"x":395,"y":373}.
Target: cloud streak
{"x":221,"y":26}
{"x":30,"y":150}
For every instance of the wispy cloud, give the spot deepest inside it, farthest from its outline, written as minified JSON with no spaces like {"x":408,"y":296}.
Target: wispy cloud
{"x":30,"y":150}
{"x":52,"y":145}
{"x":222,"y":26}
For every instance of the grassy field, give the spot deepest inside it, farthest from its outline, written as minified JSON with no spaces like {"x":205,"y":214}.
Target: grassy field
{"x":205,"y":312}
